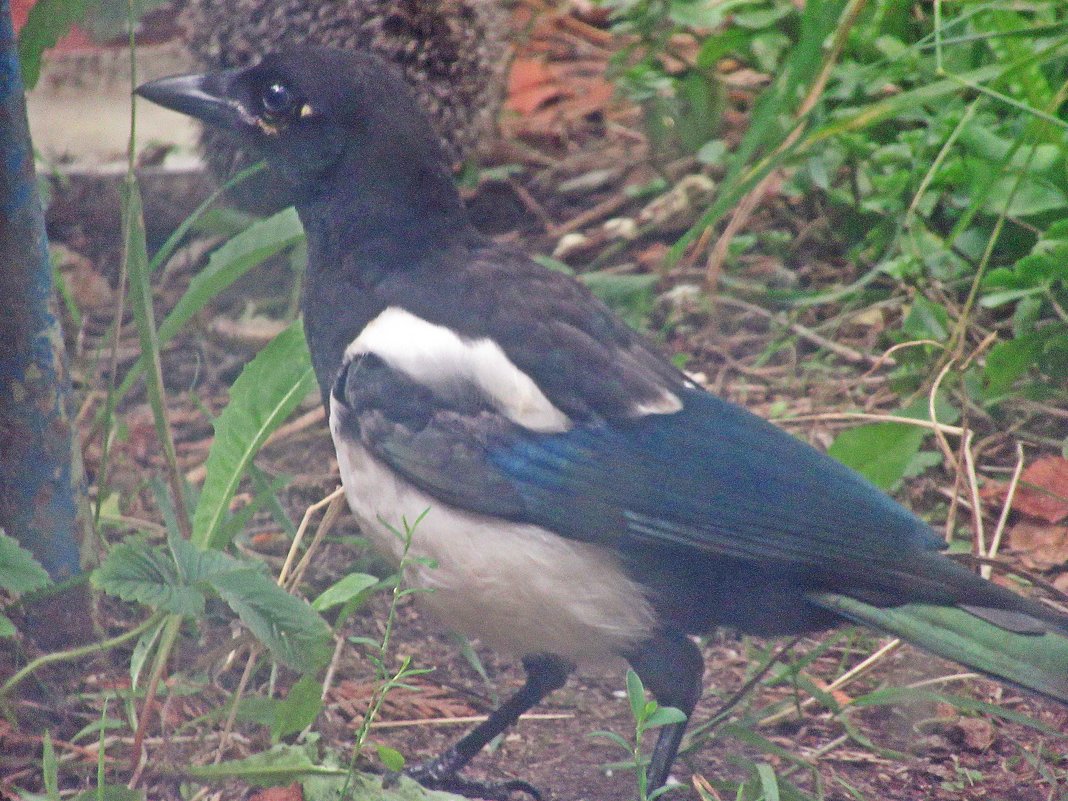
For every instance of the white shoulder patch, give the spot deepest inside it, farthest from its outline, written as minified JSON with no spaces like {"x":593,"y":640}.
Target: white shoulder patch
{"x":667,"y":403}
{"x":440,"y":359}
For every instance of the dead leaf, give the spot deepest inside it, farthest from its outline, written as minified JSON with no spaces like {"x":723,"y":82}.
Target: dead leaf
{"x":530,"y":86}
{"x":291,"y":793}
{"x":1039,"y":546}
{"x":254,"y":331}
{"x":1042,"y":491}
{"x":426,"y":701}
{"x":976,"y":734}
{"x":90,"y":290}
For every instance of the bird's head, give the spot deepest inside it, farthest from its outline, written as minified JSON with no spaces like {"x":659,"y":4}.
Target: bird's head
{"x":306,"y":109}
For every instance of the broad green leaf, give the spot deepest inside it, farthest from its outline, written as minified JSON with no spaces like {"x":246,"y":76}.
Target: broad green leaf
{"x":635,"y":694}
{"x":19,"y":571}
{"x":881,"y":452}
{"x":94,"y":728}
{"x":927,"y":320}
{"x":135,"y":571}
{"x":1008,"y":361}
{"x":299,"y":708}
{"x":267,"y":391}
{"x":630,"y":296}
{"x":663,"y":716}
{"x":769,"y":782}
{"x":295,"y":635}
{"x":47,"y":23}
{"x":884,"y":453}
{"x":391,"y":758}
{"x":266,"y":495}
{"x":352,"y":586}
{"x":204,"y":564}
{"x":7,"y":628}
{"x":259,"y":710}
{"x":258,"y":242}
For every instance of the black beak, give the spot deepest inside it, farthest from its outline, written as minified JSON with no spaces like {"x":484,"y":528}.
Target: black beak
{"x":205,"y":97}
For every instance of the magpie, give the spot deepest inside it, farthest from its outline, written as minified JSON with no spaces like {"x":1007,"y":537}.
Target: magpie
{"x":587,"y":501}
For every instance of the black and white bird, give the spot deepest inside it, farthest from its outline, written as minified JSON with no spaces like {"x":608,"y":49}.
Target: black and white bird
{"x":586,"y":501}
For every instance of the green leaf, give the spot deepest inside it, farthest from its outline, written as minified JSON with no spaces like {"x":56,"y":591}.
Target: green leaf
{"x":143,"y":649}
{"x":197,"y":565}
{"x":258,"y":242}
{"x":259,"y":710}
{"x":927,"y":320}
{"x":712,"y":151}
{"x":630,"y":296}
{"x":295,"y":635}
{"x":267,"y":391}
{"x":1008,"y":361}
{"x":635,"y":694}
{"x":300,"y":707}
{"x":881,"y":452}
{"x":351,"y":587}
{"x":19,"y":571}
{"x":47,"y":23}
{"x":769,"y":782}
{"x":664,"y":716}
{"x":7,"y":628}
{"x":135,"y":571}
{"x":96,"y":727}
{"x":391,"y":758}
{"x":50,"y":768}
{"x":615,"y":738}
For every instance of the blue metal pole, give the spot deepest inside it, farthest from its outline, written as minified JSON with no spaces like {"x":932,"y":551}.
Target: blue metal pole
{"x":42,"y":497}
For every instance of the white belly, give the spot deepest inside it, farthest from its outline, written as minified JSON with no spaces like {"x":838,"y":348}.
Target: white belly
{"x":518,"y":588}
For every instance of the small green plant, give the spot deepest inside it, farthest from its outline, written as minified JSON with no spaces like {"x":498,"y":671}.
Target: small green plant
{"x":1034,"y":359}
{"x":964,"y":778}
{"x":390,"y":678}
{"x":648,"y":715}
{"x":20,"y":574}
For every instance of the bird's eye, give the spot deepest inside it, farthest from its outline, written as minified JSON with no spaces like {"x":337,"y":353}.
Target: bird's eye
{"x":277,"y":100}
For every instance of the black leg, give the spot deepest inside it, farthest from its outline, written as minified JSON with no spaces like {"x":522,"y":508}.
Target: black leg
{"x":670,"y":666}
{"x":545,"y":673}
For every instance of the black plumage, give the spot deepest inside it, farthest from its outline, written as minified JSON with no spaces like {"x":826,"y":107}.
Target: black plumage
{"x":623,"y":508}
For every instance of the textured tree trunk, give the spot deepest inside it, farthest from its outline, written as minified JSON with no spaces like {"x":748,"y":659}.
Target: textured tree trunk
{"x":42,"y":496}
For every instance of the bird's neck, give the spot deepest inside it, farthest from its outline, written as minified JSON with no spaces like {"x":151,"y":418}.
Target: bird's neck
{"x":383,"y":207}
{"x":370,"y":227}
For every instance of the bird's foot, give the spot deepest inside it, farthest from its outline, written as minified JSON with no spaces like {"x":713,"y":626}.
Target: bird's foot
{"x":433,"y":775}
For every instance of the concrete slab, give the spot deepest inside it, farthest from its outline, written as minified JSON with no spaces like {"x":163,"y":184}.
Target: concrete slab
{"x":80,"y":109}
